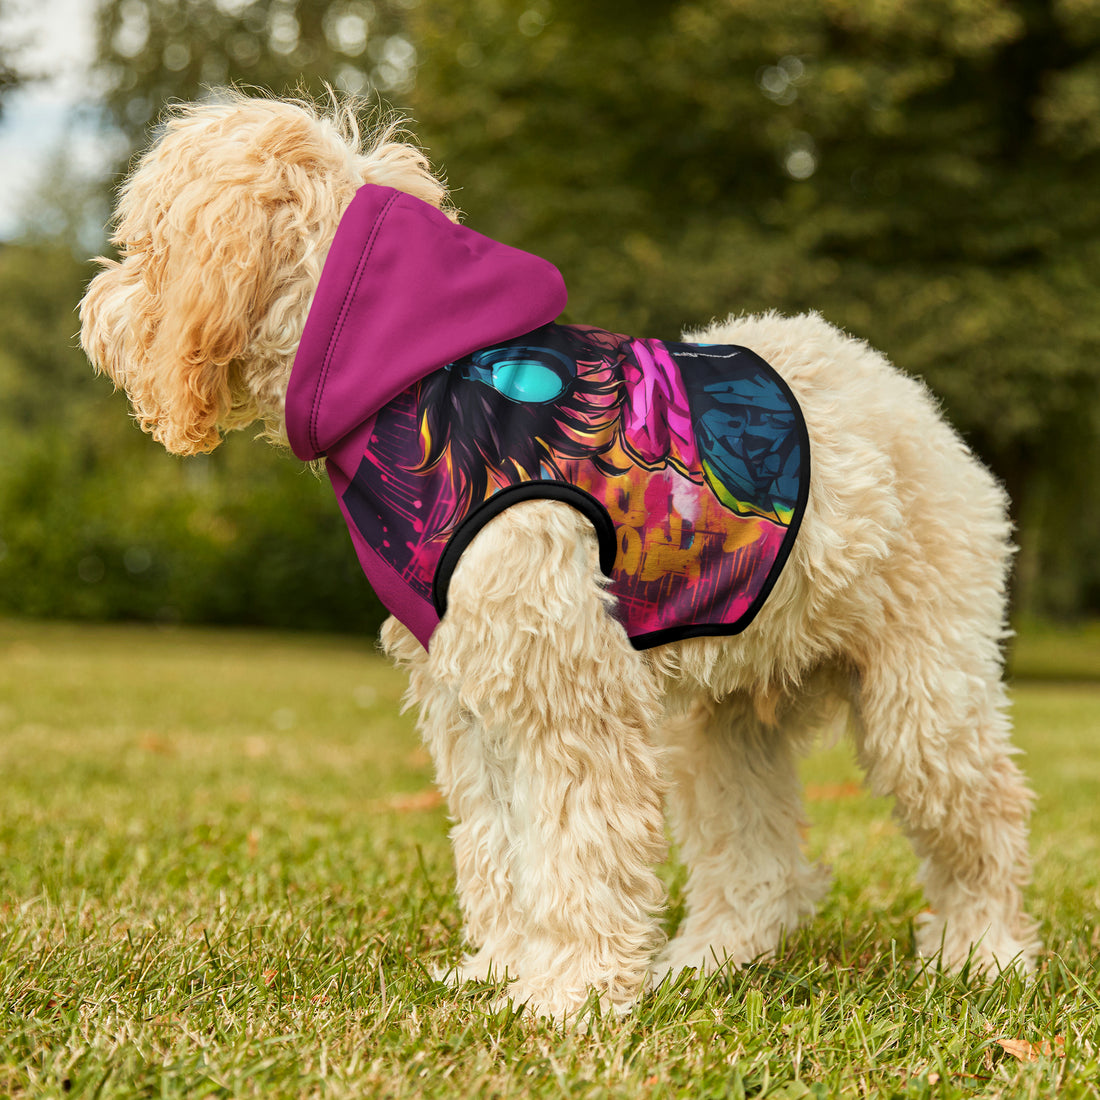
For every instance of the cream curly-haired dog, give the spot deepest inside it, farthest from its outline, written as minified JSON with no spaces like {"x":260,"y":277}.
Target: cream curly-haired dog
{"x":557,"y":733}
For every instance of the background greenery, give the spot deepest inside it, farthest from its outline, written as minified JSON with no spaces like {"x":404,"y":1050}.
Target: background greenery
{"x":926,"y":173}
{"x":224,"y":872}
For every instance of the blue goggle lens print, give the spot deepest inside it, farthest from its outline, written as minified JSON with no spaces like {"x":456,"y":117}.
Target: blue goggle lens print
{"x":525,"y":375}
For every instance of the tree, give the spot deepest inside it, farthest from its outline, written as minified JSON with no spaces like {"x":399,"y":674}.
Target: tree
{"x":11,"y":76}
{"x":924,"y":172}
{"x":153,"y":51}
{"x":96,"y":521}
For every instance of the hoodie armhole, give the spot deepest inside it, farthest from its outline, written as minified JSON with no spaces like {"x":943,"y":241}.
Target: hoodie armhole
{"x":469,"y":528}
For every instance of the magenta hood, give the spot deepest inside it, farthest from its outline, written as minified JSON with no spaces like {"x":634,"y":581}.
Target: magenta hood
{"x":404,"y":291}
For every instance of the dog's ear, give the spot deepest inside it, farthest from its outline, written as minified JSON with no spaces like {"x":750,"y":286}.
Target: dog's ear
{"x":170,"y":321}
{"x":222,"y":230}
{"x":219,"y":229}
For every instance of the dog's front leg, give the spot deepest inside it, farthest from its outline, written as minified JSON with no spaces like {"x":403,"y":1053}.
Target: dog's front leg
{"x":475,"y":778}
{"x":548,"y":766}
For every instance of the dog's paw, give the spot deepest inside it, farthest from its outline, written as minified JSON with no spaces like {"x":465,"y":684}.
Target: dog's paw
{"x":572,"y":1008}
{"x":980,"y":946}
{"x":731,"y":949}
{"x":720,"y":935}
{"x":703,"y":958}
{"x":480,"y":967}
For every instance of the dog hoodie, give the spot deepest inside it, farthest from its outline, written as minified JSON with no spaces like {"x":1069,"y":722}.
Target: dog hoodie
{"x":433,"y":380}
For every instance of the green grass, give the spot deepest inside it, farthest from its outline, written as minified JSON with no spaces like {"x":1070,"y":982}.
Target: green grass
{"x":1044,"y":651}
{"x":222,"y":873}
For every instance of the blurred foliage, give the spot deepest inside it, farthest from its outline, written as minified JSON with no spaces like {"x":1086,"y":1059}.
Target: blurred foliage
{"x":97,"y":522}
{"x":152,"y":51}
{"x":924,"y":173}
{"x":11,"y":75}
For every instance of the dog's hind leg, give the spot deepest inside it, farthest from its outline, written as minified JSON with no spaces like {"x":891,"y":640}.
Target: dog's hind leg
{"x":735,"y":807}
{"x":558,"y":792}
{"x":932,"y":731}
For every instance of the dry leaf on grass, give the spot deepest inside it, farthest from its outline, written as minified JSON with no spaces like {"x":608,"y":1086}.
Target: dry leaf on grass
{"x":153,"y":742}
{"x":421,"y":800}
{"x":831,"y":792}
{"x":419,"y":758}
{"x":1032,"y":1052}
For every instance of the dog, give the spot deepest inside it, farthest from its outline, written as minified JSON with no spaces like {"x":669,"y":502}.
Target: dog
{"x":560,"y":739}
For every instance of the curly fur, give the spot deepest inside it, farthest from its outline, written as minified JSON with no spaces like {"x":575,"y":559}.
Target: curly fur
{"x":555,"y":742}
{"x":202,"y":337}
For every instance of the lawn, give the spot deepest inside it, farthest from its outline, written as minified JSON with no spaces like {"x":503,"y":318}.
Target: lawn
{"x":224,"y":872}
